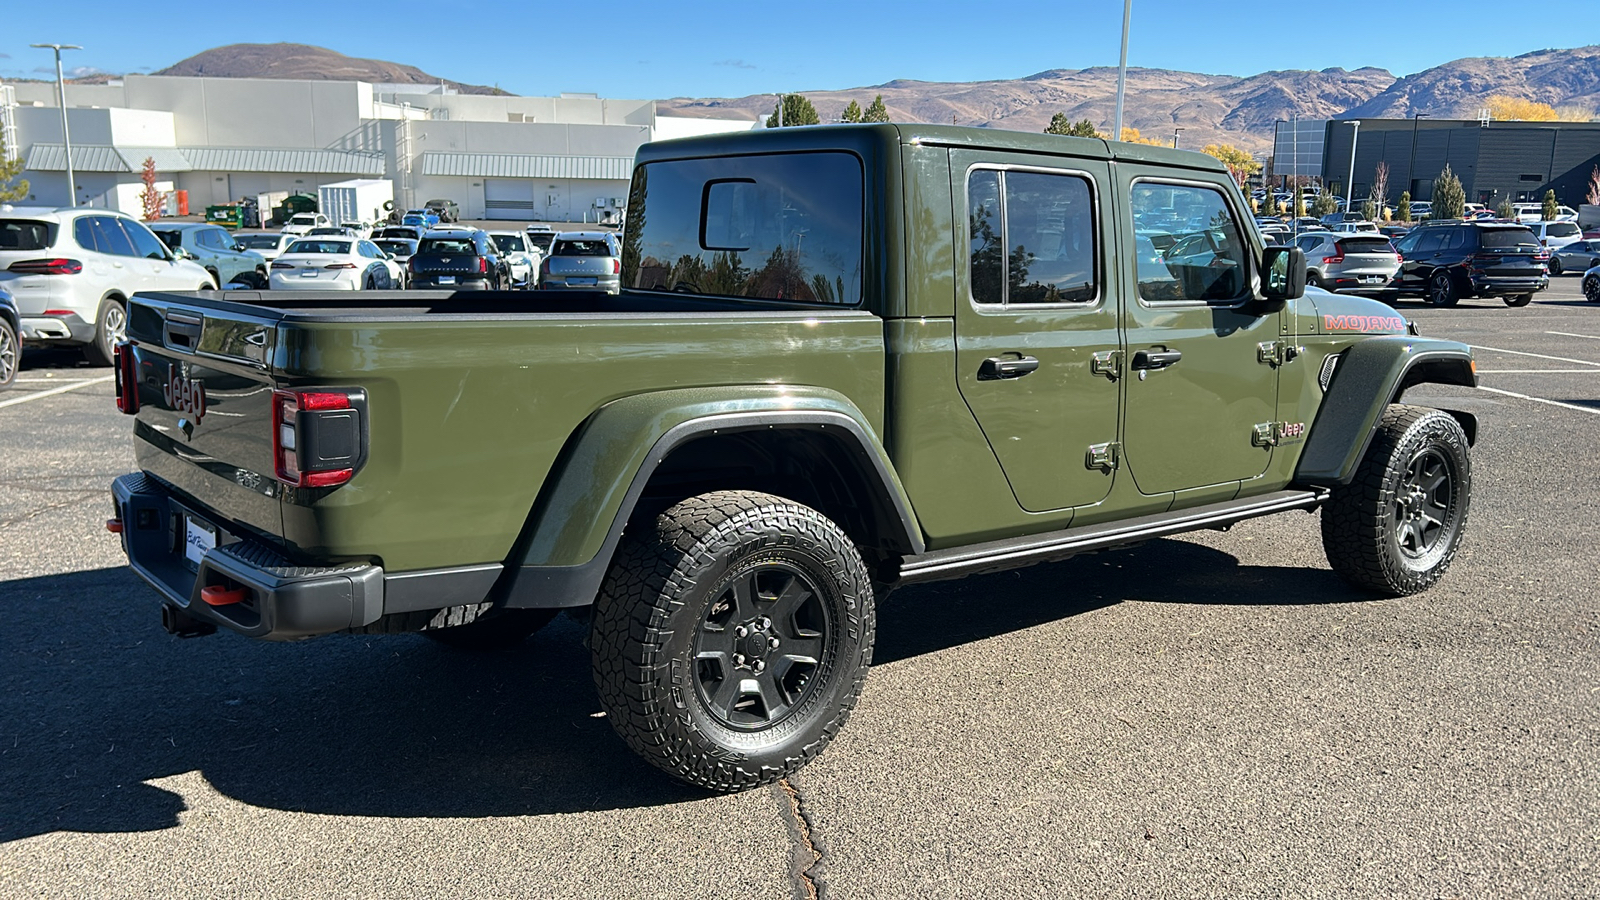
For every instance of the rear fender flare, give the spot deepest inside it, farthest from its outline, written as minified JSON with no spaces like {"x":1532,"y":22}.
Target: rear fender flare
{"x":595,"y":485}
{"x":1374,"y":373}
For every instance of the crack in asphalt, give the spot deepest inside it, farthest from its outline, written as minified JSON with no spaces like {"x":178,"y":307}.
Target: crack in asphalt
{"x":806,"y":873}
{"x":84,"y":497}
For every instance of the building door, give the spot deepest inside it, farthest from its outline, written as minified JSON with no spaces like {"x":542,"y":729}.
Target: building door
{"x":508,"y":198}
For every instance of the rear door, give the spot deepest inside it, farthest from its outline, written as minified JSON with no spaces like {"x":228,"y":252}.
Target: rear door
{"x":1198,"y":386}
{"x":1036,"y":306}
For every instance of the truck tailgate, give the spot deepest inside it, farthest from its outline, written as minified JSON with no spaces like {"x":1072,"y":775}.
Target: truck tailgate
{"x":204,"y":423}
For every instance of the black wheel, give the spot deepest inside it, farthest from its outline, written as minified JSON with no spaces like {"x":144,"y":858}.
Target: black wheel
{"x":216,"y":277}
{"x":10,"y":353}
{"x":252,"y":280}
{"x":1591,"y":288}
{"x":1442,"y":290}
{"x":501,"y":631}
{"x":1395,"y":528}
{"x":1519,"y":300}
{"x":366,"y":283}
{"x":1555,"y":264}
{"x":111,"y":328}
{"x":1318,"y":281}
{"x":732,"y":637}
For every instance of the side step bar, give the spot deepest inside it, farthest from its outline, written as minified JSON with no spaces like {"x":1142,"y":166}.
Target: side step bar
{"x":1014,"y":553}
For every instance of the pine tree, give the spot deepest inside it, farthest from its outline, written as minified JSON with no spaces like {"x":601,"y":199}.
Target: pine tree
{"x":1505,"y":210}
{"x":852,"y":113}
{"x":1058,"y":125}
{"x":797,"y":110}
{"x":1324,"y":205}
{"x":1551,"y":208}
{"x":1403,"y":211}
{"x":877,"y":112}
{"x":11,"y":187}
{"x":1449,"y":200}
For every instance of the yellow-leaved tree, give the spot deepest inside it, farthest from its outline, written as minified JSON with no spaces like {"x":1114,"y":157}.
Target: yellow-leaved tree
{"x":1239,"y":162}
{"x":1516,"y":109}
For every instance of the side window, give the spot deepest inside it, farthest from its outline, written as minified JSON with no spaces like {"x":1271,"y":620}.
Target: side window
{"x":1457,"y":239}
{"x":1430,"y":240}
{"x":1041,"y":234}
{"x":83,"y":233}
{"x":109,"y":235}
{"x":1308,"y":241}
{"x":145,"y":244}
{"x":1206,"y":259}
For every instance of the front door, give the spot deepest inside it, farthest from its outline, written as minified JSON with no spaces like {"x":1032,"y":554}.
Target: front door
{"x":1197,"y":384}
{"x":1036,"y":303}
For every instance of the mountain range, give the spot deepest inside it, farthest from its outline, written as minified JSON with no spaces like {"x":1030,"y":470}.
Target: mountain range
{"x":1202,"y":108}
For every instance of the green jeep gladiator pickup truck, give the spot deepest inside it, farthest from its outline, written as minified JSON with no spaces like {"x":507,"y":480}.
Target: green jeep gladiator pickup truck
{"x":844,"y":359}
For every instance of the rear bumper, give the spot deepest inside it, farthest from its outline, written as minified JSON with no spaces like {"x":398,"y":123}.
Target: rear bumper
{"x":69,"y":328}
{"x":431,"y":282}
{"x":1490,"y":284}
{"x":281,"y":602}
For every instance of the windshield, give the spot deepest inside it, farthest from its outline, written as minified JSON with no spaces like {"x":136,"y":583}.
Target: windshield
{"x":783,"y":226}
{"x":448,"y":245}
{"x":542,"y":240}
{"x":320,"y":247}
{"x":1365,"y":245}
{"x":304,"y":220}
{"x":1561,"y":229}
{"x":509,"y":243}
{"x":1509,"y":238}
{"x":26,"y":234}
{"x":254,"y":241}
{"x":583,"y":248}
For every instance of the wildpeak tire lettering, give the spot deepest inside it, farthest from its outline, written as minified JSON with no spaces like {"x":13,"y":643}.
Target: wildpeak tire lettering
{"x":1364,"y":324}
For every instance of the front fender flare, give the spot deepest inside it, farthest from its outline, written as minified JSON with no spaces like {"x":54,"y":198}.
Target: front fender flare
{"x":1374,"y":373}
{"x":591,"y":492}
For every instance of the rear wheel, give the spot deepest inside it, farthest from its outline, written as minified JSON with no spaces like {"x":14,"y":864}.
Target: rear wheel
{"x":1519,"y":300}
{"x":1395,"y":528}
{"x":111,"y":329}
{"x":1442,"y":290}
{"x":1555,"y":265}
{"x":10,"y":353}
{"x":732,"y":638}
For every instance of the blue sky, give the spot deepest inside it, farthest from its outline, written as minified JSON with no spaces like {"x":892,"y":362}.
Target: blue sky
{"x":625,"y":49}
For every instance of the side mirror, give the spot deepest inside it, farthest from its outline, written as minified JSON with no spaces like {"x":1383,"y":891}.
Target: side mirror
{"x":181,"y":253}
{"x":1283,"y":273}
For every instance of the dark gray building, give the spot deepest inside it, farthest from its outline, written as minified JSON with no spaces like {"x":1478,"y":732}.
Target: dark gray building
{"x":1495,"y":161}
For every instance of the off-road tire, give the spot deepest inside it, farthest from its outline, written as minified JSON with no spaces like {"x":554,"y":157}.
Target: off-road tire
{"x":698,"y":575}
{"x":501,"y":631}
{"x":10,"y":354}
{"x":111,"y":327}
{"x":1442,"y":290}
{"x":1518,"y":299}
{"x":1367,"y":524}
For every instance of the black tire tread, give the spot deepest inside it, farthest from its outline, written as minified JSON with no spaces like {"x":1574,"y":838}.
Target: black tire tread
{"x":652,"y":572}
{"x":1354,"y":526}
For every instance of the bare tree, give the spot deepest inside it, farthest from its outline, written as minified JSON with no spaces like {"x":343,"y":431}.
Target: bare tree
{"x":1380,"y":185}
{"x":1594,"y":187}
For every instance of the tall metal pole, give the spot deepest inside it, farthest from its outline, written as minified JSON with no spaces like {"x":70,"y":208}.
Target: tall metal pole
{"x":1411,"y":167}
{"x":1298,"y":199}
{"x":1122,"y":67}
{"x":1350,"y":182}
{"x":66,"y":137}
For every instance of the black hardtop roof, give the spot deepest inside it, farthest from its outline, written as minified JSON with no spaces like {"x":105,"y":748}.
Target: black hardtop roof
{"x":814,"y":137}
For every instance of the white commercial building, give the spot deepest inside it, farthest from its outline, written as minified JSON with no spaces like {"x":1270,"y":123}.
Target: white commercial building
{"x":565,"y":158}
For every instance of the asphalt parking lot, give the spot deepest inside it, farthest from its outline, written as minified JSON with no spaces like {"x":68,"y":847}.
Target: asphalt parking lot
{"x":1210,"y":716}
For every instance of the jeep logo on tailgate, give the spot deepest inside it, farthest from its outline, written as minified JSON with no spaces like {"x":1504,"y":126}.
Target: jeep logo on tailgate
{"x":185,"y":395}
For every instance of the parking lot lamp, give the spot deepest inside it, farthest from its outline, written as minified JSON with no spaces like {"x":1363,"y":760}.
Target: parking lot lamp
{"x":1122,"y":67}
{"x":1411,"y":167}
{"x":1350,"y":182}
{"x":1175,"y":132}
{"x":66,"y":139}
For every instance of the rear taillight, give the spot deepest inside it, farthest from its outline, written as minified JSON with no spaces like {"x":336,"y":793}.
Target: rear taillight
{"x":616,"y":267}
{"x":125,"y":373}
{"x":544,"y":267}
{"x":1333,"y":259}
{"x":340,"y":266}
{"x":282,"y":265}
{"x":483,"y":265}
{"x":411,"y":265}
{"x":1399,"y":258}
{"x":47,"y":267}
{"x":318,"y":438}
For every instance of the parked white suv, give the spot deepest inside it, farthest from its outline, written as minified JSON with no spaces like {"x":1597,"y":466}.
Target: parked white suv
{"x":301,"y":223}
{"x":73,"y":270}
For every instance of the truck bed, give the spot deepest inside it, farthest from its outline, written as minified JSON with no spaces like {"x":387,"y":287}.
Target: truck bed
{"x":341,"y":306}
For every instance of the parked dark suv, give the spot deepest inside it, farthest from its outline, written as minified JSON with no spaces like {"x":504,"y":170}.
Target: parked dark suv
{"x":1443,"y":262}
{"x":458,"y":259}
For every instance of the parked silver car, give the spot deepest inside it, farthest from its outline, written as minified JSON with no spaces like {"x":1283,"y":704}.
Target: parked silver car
{"x":1361,"y":263}
{"x":583,"y":260}
{"x":1577,"y":257}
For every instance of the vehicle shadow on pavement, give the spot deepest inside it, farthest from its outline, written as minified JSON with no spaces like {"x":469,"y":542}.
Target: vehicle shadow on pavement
{"x":99,"y":700}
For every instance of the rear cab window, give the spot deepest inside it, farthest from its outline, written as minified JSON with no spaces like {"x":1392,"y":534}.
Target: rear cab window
{"x":783,"y":226}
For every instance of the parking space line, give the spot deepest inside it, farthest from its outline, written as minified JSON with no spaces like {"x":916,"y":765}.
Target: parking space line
{"x":40,"y":395}
{"x":1581,"y":362}
{"x":1572,"y":406}
{"x":1570,"y":334}
{"x":1539,"y":371}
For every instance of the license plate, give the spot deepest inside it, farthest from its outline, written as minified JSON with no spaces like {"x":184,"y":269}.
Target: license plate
{"x":1372,"y":279}
{"x":447,"y":279}
{"x":581,"y":281}
{"x":197,"y":539}
{"x":309,"y":273}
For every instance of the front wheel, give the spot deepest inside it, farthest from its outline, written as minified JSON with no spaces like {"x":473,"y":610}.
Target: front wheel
{"x":1519,"y":300}
{"x":10,"y":354}
{"x":732,"y":638}
{"x":1591,"y":288}
{"x":1395,"y":528}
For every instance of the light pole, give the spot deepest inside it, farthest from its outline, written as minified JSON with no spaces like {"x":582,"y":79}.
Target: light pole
{"x":1175,"y":132}
{"x":66,"y":138}
{"x":1350,"y":182}
{"x":1411,"y":167}
{"x":1122,"y":67}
